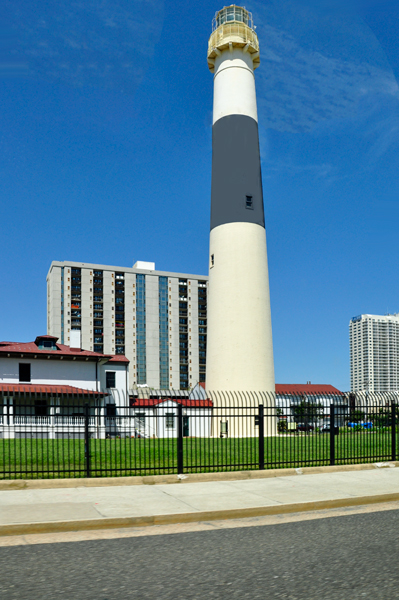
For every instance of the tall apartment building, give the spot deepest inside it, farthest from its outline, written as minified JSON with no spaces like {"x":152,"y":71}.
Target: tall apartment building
{"x":374,"y":353}
{"x":158,"y":320}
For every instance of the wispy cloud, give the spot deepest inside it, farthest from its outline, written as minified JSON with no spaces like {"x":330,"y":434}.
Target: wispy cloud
{"x":304,"y":77}
{"x":382,"y":132}
{"x":97,"y":42}
{"x":323,"y":171}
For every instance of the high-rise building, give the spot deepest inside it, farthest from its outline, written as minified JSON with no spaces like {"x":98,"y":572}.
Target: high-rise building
{"x":240,"y":348}
{"x":157,"y":319}
{"x":374,"y":353}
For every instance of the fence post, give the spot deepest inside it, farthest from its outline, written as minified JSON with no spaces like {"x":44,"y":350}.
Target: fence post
{"x":87,"y":440}
{"x":332,"y":434}
{"x":261,"y":440}
{"x":180,"y":439}
{"x":393,"y":427}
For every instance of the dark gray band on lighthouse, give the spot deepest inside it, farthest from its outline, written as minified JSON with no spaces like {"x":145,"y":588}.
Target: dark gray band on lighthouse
{"x":236,"y":172}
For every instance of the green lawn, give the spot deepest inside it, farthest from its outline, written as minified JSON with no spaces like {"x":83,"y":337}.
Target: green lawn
{"x":42,"y":458}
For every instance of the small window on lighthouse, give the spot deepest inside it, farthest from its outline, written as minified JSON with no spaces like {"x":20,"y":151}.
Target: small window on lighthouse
{"x":212,"y":260}
{"x":249,"y":202}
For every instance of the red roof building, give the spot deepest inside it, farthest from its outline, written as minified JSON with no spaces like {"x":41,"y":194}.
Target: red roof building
{"x":7,"y":389}
{"x":155,"y":402}
{"x":49,"y":368}
{"x":46,"y":345}
{"x":310,"y":389}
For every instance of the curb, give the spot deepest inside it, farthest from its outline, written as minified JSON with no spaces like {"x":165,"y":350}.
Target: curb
{"x":41,"y":484}
{"x":216,"y":515}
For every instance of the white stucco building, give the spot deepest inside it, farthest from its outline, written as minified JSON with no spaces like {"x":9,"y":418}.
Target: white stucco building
{"x":157,"y":417}
{"x":44,"y":387}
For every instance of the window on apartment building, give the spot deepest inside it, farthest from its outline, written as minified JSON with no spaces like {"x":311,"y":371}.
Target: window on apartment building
{"x":24,"y":372}
{"x":170,"y":420}
{"x":110,"y":379}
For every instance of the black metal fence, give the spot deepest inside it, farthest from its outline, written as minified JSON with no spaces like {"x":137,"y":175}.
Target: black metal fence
{"x":47,"y":437}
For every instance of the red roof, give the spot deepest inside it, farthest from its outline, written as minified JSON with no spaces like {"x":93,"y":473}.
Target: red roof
{"x":151,"y":402}
{"x":299,"y":389}
{"x":62,"y":350}
{"x":296,"y":389}
{"x":27,"y":388}
{"x":45,"y":337}
{"x":119,"y":358}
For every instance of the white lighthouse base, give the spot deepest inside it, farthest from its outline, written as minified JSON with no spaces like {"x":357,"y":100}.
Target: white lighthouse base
{"x":239,"y":345}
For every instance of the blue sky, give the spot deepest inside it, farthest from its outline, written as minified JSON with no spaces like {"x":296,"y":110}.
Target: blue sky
{"x":105,"y":140}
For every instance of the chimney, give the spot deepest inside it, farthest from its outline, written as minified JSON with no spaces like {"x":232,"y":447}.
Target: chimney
{"x":76,"y":340}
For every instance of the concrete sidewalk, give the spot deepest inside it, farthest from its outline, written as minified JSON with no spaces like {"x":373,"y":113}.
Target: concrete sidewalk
{"x":83,"y":508}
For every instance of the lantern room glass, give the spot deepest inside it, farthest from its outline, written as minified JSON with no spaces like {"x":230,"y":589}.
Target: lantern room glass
{"x":233,"y":13}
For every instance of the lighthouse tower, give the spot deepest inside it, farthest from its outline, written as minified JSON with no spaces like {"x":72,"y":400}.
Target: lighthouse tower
{"x":240,"y":348}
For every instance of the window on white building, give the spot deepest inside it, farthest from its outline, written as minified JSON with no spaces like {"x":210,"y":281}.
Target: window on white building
{"x":170,"y":420}
{"x":24,"y":373}
{"x":110,"y":379}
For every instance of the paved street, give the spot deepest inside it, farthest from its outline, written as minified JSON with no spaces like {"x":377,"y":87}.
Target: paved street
{"x":339,"y":558}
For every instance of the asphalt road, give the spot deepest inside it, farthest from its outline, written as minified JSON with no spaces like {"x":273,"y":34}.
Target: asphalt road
{"x":340,"y":558}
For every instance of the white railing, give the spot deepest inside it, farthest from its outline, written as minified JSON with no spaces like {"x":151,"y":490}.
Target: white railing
{"x":31,"y":420}
{"x":233,"y":32}
{"x":58,"y":421}
{"x":125,"y":424}
{"x":76,"y":421}
{"x":116,"y":421}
